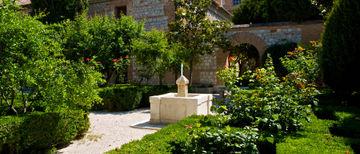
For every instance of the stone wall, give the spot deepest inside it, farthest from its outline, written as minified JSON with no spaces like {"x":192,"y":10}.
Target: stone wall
{"x":205,"y":71}
{"x":154,"y":13}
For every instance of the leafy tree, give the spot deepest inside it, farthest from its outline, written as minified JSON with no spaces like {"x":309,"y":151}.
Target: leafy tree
{"x":323,"y":5}
{"x":103,"y":41}
{"x":59,"y":10}
{"x":153,"y":53}
{"x":339,"y":58}
{"x":258,"y":11}
{"x":195,"y":32}
{"x":251,"y":11}
{"x":33,"y":74}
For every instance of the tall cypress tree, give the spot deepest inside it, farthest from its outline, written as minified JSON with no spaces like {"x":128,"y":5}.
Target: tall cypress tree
{"x":340,"y":63}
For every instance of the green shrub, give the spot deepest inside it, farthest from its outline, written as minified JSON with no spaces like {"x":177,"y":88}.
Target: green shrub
{"x":162,"y":141}
{"x":33,"y":71}
{"x":271,"y":105}
{"x":10,"y":134}
{"x":46,"y":130}
{"x":58,"y":10}
{"x":121,"y":97}
{"x":124,"y":97}
{"x":260,"y":11}
{"x":41,"y":131}
{"x":278,"y":51}
{"x":103,"y":41}
{"x":339,"y":58}
{"x":152,"y":90}
{"x":153,"y":55}
{"x":213,"y":139}
{"x":304,"y":61}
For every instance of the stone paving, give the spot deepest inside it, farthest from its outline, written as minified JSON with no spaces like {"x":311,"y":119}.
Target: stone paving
{"x":110,"y":130}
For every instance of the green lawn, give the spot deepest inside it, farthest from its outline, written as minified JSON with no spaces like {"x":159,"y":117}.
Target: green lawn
{"x":337,"y":132}
{"x":334,"y":129}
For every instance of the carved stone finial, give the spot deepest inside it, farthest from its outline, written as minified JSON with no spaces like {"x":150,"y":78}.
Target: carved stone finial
{"x":182,"y":84}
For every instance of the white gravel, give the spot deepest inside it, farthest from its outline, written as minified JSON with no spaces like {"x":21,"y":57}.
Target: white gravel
{"x":109,"y":131}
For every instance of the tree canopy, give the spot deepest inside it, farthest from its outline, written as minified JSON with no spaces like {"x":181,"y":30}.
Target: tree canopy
{"x":193,"y":30}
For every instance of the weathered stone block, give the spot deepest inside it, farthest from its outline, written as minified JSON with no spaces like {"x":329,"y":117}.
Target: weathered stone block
{"x":168,"y":108}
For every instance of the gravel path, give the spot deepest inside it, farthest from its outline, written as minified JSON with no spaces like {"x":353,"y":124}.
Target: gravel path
{"x":109,"y":131}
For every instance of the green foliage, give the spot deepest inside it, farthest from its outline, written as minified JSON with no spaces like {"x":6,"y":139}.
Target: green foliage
{"x":101,"y":41}
{"x":319,"y":135}
{"x":153,"y":54}
{"x":167,"y":139}
{"x":304,"y":61}
{"x":259,"y":11}
{"x":33,"y":72}
{"x":213,"y":140}
{"x":10,"y":133}
{"x":121,"y":97}
{"x":256,"y":11}
{"x":272,"y":105}
{"x":40,"y":131}
{"x":324,"y":6}
{"x":340,"y":49}
{"x":152,"y":90}
{"x":160,"y":142}
{"x":229,"y":76}
{"x":128,"y":97}
{"x":244,"y":57}
{"x":278,"y":51}
{"x":197,"y":34}
{"x":59,"y":10}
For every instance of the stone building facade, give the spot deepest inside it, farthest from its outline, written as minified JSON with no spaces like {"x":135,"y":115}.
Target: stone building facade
{"x":159,"y":13}
{"x":154,"y":13}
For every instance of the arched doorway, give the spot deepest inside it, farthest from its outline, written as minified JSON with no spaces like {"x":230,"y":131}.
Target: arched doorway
{"x":243,"y":57}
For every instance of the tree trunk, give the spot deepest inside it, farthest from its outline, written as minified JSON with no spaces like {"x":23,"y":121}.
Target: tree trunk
{"x":160,"y":80}
{"x":112,"y":77}
{"x":191,"y":71}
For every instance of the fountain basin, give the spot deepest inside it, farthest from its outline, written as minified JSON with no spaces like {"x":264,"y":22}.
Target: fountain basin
{"x":168,"y":108}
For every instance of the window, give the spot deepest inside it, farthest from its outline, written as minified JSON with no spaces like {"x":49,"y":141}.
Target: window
{"x":236,"y":2}
{"x":120,"y":10}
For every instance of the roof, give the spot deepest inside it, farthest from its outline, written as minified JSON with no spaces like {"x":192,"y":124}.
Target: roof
{"x":222,"y":9}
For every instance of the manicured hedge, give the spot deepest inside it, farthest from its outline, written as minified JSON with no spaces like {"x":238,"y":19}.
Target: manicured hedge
{"x":127,"y":97}
{"x":192,"y":133}
{"x":41,"y":131}
{"x":120,"y":98}
{"x":159,"y":142}
{"x":151,"y":90}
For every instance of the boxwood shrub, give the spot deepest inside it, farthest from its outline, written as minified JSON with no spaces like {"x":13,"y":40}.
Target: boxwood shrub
{"x":191,"y":134}
{"x":41,"y":131}
{"x":120,"y":98}
{"x":151,"y":90}
{"x":125,"y":97}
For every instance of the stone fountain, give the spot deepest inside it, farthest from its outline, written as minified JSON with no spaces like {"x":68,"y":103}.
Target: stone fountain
{"x":172,"y":107}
